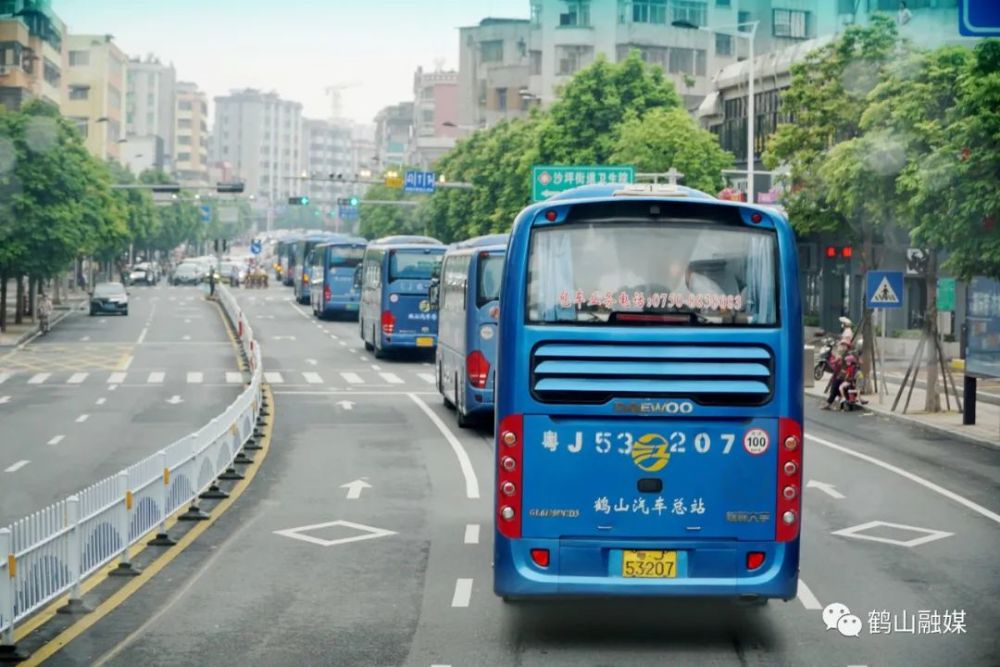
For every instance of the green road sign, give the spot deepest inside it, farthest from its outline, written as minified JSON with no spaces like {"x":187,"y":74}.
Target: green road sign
{"x":548,"y":180}
{"x":946,"y":294}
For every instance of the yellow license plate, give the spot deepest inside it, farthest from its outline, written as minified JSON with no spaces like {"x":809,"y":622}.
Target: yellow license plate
{"x":425,"y":341}
{"x":649,"y":564}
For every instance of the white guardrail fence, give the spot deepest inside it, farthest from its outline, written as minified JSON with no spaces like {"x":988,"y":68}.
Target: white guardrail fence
{"x":51,"y":552}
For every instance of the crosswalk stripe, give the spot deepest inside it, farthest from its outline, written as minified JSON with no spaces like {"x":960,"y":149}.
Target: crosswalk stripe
{"x":274,"y":377}
{"x":312,"y":378}
{"x":4,"y":377}
{"x":426,"y":377}
{"x":156,"y":377}
{"x":195,"y":378}
{"x":77,"y":378}
{"x":39,"y":378}
{"x":117,"y":378}
{"x":391,"y":378}
{"x":352,"y":378}
{"x":233,"y":377}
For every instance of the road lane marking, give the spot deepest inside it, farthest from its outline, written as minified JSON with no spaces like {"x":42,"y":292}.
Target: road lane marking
{"x":82,"y":418}
{"x":4,"y":377}
{"x":352,"y":378}
{"x":101,"y":401}
{"x":142,"y":335}
{"x":311,"y":362}
{"x":156,"y":377}
{"x":364,"y":358}
{"x":4,"y":399}
{"x":376,"y":367}
{"x":472,"y":533}
{"x":392,"y":378}
{"x":232,"y":377}
{"x":463,"y":593}
{"x":826,"y":488}
{"x":951,"y":495}
{"x":273,"y":377}
{"x":117,"y":378}
{"x":56,"y":440}
{"x":194,"y":377}
{"x":77,"y":378}
{"x":17,"y":466}
{"x":84,"y":339}
{"x":334,"y":336}
{"x":128,"y":362}
{"x":312,"y":378}
{"x":39,"y":378}
{"x":807,"y":598}
{"x":185,"y":337}
{"x":471,"y":483}
{"x":344,"y":343}
{"x":426,"y":377}
{"x":927,"y":534}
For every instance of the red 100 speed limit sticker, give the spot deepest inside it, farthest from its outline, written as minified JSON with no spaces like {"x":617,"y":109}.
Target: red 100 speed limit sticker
{"x":755,"y":441}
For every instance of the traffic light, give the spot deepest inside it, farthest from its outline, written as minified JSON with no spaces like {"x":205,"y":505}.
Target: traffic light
{"x":846,"y":252}
{"x":229,"y":187}
{"x":298,"y":201}
{"x":167,"y":187}
{"x":354,"y":201}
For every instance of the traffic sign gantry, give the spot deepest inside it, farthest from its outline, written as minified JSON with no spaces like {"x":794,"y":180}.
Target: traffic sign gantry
{"x":884,"y":289}
{"x":548,"y":180}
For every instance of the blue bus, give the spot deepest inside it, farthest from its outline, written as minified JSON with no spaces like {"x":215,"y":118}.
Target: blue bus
{"x":649,"y":398}
{"x":301,"y":250}
{"x":467,"y":300}
{"x":394,"y":280}
{"x":284,"y":256}
{"x":332,"y":289}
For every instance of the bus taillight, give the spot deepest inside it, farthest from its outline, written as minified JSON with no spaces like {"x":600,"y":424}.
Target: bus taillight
{"x":509,"y":450}
{"x":388,"y":322}
{"x":477,"y":368}
{"x":327,"y":294}
{"x":789,"y":482}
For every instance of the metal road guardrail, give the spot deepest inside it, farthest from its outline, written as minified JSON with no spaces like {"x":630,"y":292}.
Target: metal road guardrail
{"x":51,"y":552}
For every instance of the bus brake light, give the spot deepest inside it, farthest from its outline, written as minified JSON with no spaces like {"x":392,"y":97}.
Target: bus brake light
{"x":388,"y":322}
{"x":788,"y":516}
{"x":509,"y":453}
{"x":327,"y":294}
{"x":477,"y":368}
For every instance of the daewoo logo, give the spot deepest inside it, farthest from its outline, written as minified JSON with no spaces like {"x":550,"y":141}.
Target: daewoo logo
{"x":654,"y":407}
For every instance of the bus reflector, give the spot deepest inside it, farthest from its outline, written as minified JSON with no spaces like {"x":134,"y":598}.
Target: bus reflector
{"x":477,"y":368}
{"x":509,"y":476}
{"x":541,"y":557}
{"x":755,"y":559}
{"x":326,"y":293}
{"x":388,"y":322}
{"x":789,"y":480}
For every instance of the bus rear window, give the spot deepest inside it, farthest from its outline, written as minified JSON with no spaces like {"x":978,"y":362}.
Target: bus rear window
{"x":412,"y":265}
{"x":657,"y":273}
{"x":346,"y":256}
{"x":490,"y":271}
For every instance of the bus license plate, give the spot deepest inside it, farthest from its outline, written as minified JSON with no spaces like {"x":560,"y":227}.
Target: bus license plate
{"x":649,"y":564}
{"x":425,"y":341}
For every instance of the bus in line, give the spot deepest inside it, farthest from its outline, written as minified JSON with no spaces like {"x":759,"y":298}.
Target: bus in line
{"x":332,"y":289}
{"x":283,"y":258}
{"x":649,"y":399}
{"x":394,"y":280}
{"x":466,"y":298}
{"x":300,"y":268}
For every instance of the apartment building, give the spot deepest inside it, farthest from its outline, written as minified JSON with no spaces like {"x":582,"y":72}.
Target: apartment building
{"x":95,"y":91}
{"x":494,"y":69}
{"x":32,"y":53}
{"x":149,"y":113}
{"x":435,"y":116}
{"x":393,"y":134}
{"x":326,"y":146}
{"x":190,"y":144}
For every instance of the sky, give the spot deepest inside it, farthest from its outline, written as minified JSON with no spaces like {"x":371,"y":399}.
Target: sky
{"x":294,"y":47}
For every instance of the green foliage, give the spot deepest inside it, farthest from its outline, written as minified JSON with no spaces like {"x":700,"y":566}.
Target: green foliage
{"x":382,"y":220}
{"x":666,"y":138}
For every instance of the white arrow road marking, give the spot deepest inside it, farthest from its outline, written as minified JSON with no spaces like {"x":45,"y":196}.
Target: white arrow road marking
{"x":472,"y":533}
{"x":354,"y":488}
{"x":826,"y":488}
{"x":471,"y":482}
{"x":56,"y":440}
{"x":4,"y":399}
{"x":76,"y":378}
{"x":807,"y":598}
{"x":463,"y":593}
{"x":17,"y":466}
{"x":82,"y":418}
{"x":347,"y":405}
{"x":195,"y":377}
{"x":175,"y":399}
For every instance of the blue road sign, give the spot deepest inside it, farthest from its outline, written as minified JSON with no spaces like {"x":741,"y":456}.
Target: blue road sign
{"x":418,"y":181}
{"x":206,"y":214}
{"x":256,"y":246}
{"x":884,"y":289}
{"x":979,"y":18}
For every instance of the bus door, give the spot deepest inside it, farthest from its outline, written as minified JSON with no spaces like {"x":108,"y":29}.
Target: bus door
{"x":481,"y":332}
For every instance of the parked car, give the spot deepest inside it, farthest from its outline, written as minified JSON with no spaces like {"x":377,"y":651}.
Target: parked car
{"x":188,"y":273}
{"x":109,"y":298}
{"x":226,"y":271}
{"x":144,"y":273}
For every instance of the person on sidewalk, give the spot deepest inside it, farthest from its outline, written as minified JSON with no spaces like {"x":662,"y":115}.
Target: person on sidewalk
{"x":44,"y":312}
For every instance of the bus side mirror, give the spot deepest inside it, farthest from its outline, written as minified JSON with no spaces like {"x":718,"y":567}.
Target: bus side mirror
{"x":434,"y":294}
{"x":357,"y":277}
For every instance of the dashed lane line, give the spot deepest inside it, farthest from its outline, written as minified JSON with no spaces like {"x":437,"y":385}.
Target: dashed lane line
{"x":17,"y":466}
{"x":56,"y":440}
{"x":426,"y":377}
{"x":807,"y":598}
{"x":312,"y":378}
{"x":4,"y":377}
{"x":274,"y":377}
{"x":392,"y":378}
{"x":101,"y":401}
{"x":82,"y":418}
{"x":463,"y":593}
{"x":117,"y":378}
{"x":472,"y":533}
{"x":352,"y":378}
{"x":156,"y":377}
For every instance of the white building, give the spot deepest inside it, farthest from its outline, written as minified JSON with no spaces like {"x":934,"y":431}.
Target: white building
{"x":190,"y":149}
{"x":327,"y":147}
{"x":494,"y":67}
{"x":260,"y":135}
{"x":149,"y":111}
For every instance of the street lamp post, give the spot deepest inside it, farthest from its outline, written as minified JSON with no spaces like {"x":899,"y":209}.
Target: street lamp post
{"x":751,"y":111}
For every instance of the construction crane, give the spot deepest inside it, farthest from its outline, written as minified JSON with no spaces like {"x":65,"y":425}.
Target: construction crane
{"x":334,"y":91}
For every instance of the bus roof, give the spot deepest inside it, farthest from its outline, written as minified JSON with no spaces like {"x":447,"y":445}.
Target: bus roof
{"x":406,"y":240}
{"x":483,"y":241}
{"x":605,"y":191}
{"x":344,"y":241}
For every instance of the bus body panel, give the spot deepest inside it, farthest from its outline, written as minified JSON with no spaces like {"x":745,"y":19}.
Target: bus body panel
{"x":301,"y":272}
{"x":331,"y":290}
{"x":580,"y":470}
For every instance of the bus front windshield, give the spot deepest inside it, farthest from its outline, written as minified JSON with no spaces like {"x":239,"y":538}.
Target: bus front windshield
{"x":413,"y":265}
{"x":346,"y":256}
{"x":629,"y":273}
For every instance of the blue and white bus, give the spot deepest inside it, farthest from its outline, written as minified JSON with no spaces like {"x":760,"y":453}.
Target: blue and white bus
{"x":467,"y":300}
{"x":649,"y":398}
{"x":284,"y":257}
{"x":395,"y":276}
{"x":300,"y":269}
{"x":332,"y":288}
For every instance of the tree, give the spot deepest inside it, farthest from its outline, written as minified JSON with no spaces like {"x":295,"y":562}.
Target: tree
{"x":666,"y":138}
{"x":377,"y":220}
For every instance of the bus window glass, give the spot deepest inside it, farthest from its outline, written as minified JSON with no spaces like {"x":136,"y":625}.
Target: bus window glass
{"x":412,"y":265}
{"x":622,"y":273}
{"x":346,"y":255}
{"x":490,"y":272}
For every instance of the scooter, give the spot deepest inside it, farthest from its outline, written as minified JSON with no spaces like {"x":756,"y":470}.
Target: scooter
{"x":826,"y":358}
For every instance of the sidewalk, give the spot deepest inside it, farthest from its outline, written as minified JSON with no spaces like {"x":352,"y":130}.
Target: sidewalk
{"x":17,"y":334}
{"x":986,"y":430}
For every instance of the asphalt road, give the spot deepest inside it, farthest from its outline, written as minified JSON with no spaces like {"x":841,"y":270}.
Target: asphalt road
{"x":98,"y":394}
{"x":895,"y":521}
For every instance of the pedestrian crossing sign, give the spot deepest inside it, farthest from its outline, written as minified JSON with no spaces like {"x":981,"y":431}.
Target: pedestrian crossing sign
{"x":884,"y":289}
